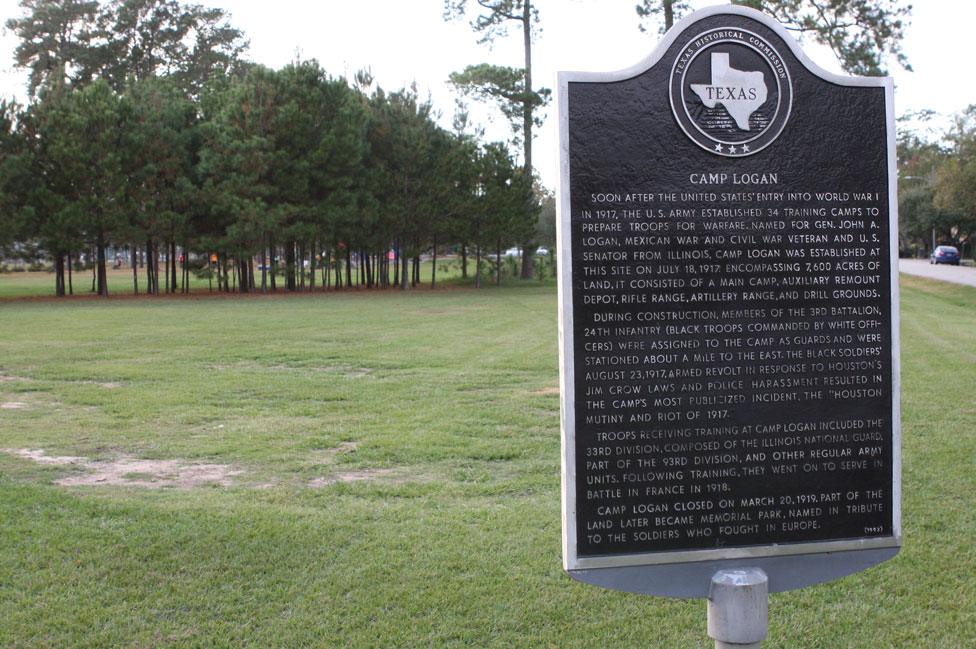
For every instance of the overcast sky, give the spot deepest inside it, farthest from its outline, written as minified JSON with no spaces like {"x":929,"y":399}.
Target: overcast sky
{"x":403,"y":41}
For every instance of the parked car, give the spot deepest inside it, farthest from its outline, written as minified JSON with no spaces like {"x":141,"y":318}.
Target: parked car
{"x":945,"y":255}
{"x":513,"y":252}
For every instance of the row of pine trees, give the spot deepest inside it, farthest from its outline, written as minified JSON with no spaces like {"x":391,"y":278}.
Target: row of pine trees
{"x":193,"y":161}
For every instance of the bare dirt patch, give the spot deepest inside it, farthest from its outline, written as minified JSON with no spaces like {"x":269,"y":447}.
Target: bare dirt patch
{"x":331,"y":455}
{"x":552,"y":389}
{"x":349,"y":476}
{"x":341,"y":449}
{"x":39,"y":456}
{"x":10,"y":378}
{"x":13,"y":405}
{"x":134,"y":472}
{"x":345,"y":371}
{"x":152,"y":474}
{"x":108,"y":385}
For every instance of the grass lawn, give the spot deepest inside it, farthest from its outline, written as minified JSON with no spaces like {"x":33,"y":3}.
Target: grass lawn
{"x":382,"y":470}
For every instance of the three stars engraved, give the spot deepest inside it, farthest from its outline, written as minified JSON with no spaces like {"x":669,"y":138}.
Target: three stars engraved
{"x":732,"y":148}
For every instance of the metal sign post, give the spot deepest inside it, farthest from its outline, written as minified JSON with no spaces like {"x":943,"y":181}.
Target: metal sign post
{"x":738,"y":608}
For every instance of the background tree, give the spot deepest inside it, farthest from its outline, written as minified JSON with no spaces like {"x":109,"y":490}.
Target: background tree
{"x":919,"y":156}
{"x":456,"y":175}
{"x":955,"y":181}
{"x":410,"y":173}
{"x":73,"y":42}
{"x":862,"y":34}
{"x":545,"y":225}
{"x":159,"y":145}
{"x":56,"y":41}
{"x":235,"y":172}
{"x":15,"y":178}
{"x":510,"y":88}
{"x":339,"y":198}
{"x":82,"y":152}
{"x":146,"y":38}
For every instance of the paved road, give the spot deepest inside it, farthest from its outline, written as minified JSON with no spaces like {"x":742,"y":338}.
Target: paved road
{"x":955,"y":274}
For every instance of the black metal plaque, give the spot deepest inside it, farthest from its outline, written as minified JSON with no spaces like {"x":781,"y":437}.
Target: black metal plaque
{"x":728,"y":303}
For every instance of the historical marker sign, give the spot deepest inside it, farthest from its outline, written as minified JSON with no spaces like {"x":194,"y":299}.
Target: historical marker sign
{"x":728,"y":303}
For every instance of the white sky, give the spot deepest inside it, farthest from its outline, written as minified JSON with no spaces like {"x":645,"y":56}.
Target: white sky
{"x":407,"y":40}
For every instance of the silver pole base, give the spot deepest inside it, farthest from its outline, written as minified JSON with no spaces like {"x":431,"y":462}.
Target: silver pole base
{"x":738,"y":608}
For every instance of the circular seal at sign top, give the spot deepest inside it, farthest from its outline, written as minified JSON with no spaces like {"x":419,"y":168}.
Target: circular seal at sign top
{"x":731,"y":91}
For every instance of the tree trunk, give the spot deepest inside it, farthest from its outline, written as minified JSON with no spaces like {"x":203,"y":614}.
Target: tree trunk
{"x":148,"y":266}
{"x":71,"y":288}
{"x":290,"y":266}
{"x":338,"y":268}
{"x":477,"y":267}
{"x":349,"y":283}
{"x":172,"y":266}
{"x":274,"y":266}
{"x":527,"y":269}
{"x":264,"y":268}
{"x":326,"y":268}
{"x":102,"y":272}
{"x":498,"y":261}
{"x":135,"y":269}
{"x":528,"y":260}
{"x":396,"y":262}
{"x":433,"y":266}
{"x":155,"y":268}
{"x":404,"y":260}
{"x":242,"y":273}
{"x":668,"y":14}
{"x":464,"y":261}
{"x":59,"y":275}
{"x":311,"y":267}
{"x":166,"y":269}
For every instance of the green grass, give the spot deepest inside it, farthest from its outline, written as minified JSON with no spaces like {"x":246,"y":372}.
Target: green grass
{"x":457,"y":541}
